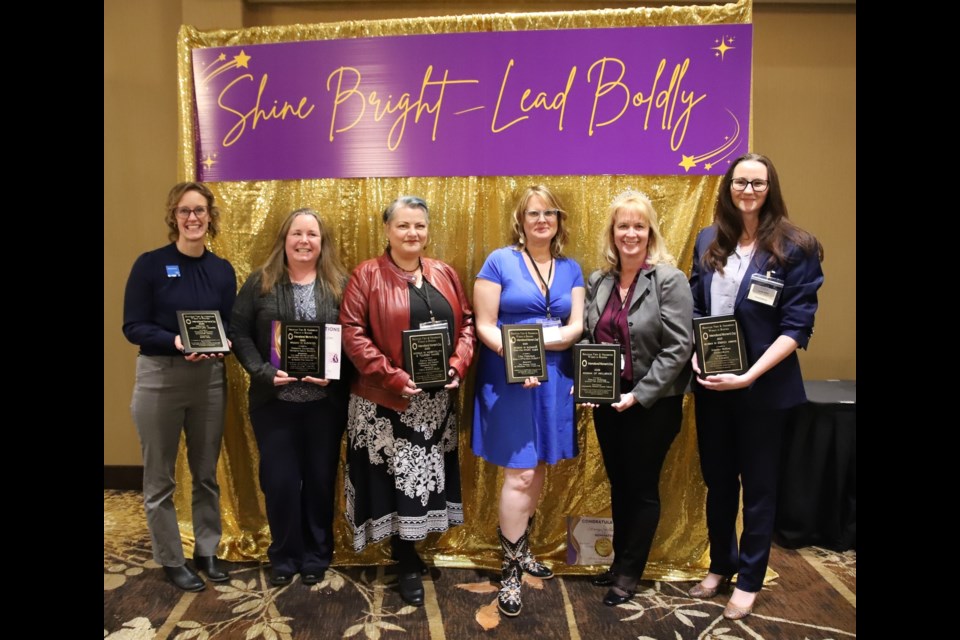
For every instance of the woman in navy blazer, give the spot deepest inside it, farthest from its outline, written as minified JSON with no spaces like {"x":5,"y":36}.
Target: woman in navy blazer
{"x":755,"y":264}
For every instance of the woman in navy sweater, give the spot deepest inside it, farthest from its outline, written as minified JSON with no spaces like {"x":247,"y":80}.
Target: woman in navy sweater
{"x":176,"y":392}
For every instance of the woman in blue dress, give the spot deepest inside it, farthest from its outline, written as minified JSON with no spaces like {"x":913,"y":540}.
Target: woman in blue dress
{"x":524,"y":427}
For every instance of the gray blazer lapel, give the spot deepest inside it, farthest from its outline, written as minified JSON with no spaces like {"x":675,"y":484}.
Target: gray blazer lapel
{"x":604,"y":289}
{"x":643,"y":285}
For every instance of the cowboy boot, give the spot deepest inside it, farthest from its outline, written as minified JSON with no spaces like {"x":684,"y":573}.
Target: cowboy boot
{"x":530,"y":564}
{"x":508,"y":599}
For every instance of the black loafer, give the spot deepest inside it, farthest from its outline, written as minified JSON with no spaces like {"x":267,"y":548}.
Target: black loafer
{"x":210,"y":565}
{"x":185,"y":578}
{"x":605,"y":579}
{"x":411,"y":588}
{"x":279,"y":579}
{"x":312,"y":577}
{"x":617,"y":596}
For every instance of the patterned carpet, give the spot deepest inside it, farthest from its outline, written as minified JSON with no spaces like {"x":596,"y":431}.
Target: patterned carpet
{"x":814,"y":599}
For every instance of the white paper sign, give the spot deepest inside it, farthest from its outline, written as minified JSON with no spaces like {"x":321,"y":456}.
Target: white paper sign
{"x":331,"y":352}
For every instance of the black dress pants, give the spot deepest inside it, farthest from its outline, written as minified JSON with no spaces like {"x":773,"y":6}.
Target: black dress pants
{"x":634,"y":444}
{"x":299,"y":452}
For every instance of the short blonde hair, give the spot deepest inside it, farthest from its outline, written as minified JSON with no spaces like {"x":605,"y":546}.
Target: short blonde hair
{"x":637,"y":202}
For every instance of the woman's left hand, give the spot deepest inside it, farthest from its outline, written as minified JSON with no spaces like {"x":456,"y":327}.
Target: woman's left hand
{"x":321,"y":382}
{"x":454,"y":380}
{"x":627,"y":400}
{"x":725,"y":382}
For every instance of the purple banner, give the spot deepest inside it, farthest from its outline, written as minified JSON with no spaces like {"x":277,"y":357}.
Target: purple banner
{"x":640,"y":100}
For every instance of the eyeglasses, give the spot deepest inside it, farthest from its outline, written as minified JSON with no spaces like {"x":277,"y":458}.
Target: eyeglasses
{"x":549,"y":214}
{"x":740,"y":184}
{"x":184,"y":212}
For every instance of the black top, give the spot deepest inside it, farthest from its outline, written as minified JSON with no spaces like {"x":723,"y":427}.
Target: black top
{"x":420,"y":309}
{"x":165,"y":281}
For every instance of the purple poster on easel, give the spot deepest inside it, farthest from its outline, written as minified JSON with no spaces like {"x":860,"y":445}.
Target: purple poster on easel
{"x":638,"y":100}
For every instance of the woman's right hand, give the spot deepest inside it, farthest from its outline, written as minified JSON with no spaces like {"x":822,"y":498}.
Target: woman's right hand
{"x":530,"y":383}
{"x":281,"y":378}
{"x":695,"y":364}
{"x":409,"y":390}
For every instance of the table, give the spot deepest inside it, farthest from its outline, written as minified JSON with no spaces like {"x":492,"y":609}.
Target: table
{"x":817,"y":503}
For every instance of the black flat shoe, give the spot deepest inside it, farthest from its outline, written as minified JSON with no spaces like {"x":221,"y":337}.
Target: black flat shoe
{"x":411,"y":588}
{"x":616,"y":596}
{"x":312,"y":577}
{"x":210,"y":565}
{"x":605,"y":579}
{"x":278,"y":579}
{"x":185,"y":578}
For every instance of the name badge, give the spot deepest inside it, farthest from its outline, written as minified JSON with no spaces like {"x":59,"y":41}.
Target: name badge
{"x":438,"y":324}
{"x":765,"y":289}
{"x":551,"y":330}
{"x":173,"y":271}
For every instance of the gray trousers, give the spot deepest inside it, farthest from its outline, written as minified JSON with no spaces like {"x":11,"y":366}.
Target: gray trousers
{"x":172,"y":395}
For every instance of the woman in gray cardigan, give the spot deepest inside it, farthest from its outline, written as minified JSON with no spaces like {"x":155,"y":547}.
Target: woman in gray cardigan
{"x":297,"y":423}
{"x":642,"y":302}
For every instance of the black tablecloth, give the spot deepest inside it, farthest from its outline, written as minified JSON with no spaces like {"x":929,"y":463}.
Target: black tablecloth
{"x":818,"y":484}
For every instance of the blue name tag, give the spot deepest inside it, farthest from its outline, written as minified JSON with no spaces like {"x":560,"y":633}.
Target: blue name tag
{"x":173,"y":271}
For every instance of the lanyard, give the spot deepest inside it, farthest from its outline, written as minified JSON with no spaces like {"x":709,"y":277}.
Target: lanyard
{"x":546,"y":287}
{"x":424,"y":292}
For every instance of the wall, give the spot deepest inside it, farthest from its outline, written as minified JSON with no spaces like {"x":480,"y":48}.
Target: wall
{"x":805,"y":118}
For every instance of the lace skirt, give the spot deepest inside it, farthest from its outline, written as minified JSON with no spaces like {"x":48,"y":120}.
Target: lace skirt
{"x":403,"y":473}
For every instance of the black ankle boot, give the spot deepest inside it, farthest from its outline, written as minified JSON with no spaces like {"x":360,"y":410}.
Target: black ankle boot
{"x":185,"y":578}
{"x":210,"y":565}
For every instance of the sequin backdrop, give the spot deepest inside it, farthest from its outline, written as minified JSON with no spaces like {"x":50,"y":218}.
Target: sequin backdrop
{"x":469,"y":218}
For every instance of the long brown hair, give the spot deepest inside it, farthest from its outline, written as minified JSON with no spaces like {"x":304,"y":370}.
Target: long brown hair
{"x":775,"y":232}
{"x":331,"y":273}
{"x":560,"y":239}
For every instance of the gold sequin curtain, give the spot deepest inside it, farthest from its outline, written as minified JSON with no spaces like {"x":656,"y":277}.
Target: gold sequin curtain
{"x":469,"y":218}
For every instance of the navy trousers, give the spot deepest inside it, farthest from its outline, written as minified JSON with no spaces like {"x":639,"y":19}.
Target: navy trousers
{"x":739,"y":442}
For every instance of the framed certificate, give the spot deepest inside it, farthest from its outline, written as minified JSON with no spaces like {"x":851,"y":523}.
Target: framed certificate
{"x":720,"y":345}
{"x":596,"y":373}
{"x":523,"y":352}
{"x":426,"y":354}
{"x":202,"y":332}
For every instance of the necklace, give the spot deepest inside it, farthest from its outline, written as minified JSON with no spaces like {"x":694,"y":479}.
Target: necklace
{"x":414,"y":270}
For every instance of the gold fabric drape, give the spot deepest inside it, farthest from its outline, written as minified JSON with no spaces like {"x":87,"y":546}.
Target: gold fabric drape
{"x":469,"y":218}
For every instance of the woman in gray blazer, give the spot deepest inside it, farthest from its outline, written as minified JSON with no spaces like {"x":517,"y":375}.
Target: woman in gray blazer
{"x":641,"y":301}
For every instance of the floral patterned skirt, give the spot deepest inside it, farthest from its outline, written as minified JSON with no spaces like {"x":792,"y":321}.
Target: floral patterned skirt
{"x":403,"y":473}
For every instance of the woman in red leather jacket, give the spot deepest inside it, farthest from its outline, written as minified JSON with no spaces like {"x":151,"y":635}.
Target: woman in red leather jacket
{"x":402,"y":479}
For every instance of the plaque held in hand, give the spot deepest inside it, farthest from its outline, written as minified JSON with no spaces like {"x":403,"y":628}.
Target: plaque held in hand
{"x":523,"y":353}
{"x":426,"y":354}
{"x":202,"y":332}
{"x":720,"y":345}
{"x":596,"y":373}
{"x":298,"y":348}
